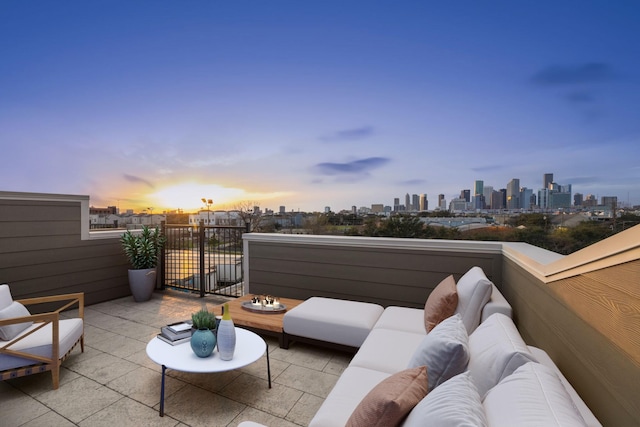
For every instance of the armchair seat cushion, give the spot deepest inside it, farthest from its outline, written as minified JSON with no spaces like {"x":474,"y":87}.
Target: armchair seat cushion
{"x":39,"y":343}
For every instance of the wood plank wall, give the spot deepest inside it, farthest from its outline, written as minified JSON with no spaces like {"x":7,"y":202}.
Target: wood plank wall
{"x":41,"y":253}
{"x":590,"y":326}
{"x":386,"y":276}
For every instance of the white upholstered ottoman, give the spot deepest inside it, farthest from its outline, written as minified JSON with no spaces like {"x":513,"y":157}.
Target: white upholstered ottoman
{"x":341,"y":322}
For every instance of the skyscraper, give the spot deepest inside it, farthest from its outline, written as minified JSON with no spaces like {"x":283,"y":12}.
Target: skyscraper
{"x":415,"y":202}
{"x":424,"y":204}
{"x":547,"y":179}
{"x":513,"y":194}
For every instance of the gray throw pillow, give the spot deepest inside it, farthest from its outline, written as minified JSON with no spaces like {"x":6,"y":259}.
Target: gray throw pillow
{"x":444,"y":351}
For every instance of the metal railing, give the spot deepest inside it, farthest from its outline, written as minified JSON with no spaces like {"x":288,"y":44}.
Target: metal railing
{"x":203,"y":259}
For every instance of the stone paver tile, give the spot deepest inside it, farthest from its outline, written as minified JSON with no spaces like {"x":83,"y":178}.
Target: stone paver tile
{"x":36,"y":384}
{"x":214,"y":382}
{"x":308,"y":380}
{"x":141,"y":358}
{"x":256,"y":393}
{"x":197,"y":407}
{"x":50,"y":419}
{"x":94,"y":335}
{"x":305,"y":408}
{"x":79,"y":399}
{"x":255,"y":415}
{"x":259,"y":368}
{"x":144,"y":385}
{"x":120,"y":346}
{"x":128,"y":413}
{"x":303,"y":355}
{"x":338,"y":363}
{"x":18,"y":408}
{"x":103,"y":368}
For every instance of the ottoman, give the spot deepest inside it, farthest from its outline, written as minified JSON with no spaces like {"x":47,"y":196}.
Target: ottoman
{"x":327,"y":320}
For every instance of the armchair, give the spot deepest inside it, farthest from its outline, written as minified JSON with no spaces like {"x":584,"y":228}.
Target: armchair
{"x":33,"y":343}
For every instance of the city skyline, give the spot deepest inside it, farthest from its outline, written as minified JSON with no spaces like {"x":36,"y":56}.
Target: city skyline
{"x":308,"y":104}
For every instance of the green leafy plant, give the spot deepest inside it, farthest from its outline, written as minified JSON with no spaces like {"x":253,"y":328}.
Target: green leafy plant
{"x":204,"y":319}
{"x":143,"y":249}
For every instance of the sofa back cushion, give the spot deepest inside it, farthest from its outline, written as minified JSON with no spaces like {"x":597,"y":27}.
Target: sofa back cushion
{"x":532,"y":395}
{"x":15,"y":309}
{"x":444,"y":351}
{"x":474,"y":291}
{"x":454,"y":403}
{"x":496,"y":351}
{"x":441,"y":303}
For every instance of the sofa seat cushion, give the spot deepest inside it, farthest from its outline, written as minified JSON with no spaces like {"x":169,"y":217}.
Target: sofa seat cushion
{"x":454,"y":403}
{"x":496,"y":351}
{"x":332,"y":320}
{"x":39,"y":343}
{"x":532,"y":395}
{"x":402,"y":319}
{"x":352,"y":386}
{"x":389,"y":402}
{"x":474,"y":291}
{"x":386,"y":350}
{"x":444,"y":351}
{"x":441,"y":303}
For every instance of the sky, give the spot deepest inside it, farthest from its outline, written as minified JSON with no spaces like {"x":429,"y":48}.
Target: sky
{"x":307,"y":104}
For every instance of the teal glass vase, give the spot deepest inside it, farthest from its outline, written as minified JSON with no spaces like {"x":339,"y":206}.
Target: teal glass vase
{"x":203,"y":341}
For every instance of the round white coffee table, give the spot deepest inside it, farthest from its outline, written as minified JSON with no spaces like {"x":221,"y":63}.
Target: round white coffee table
{"x":249,"y":348}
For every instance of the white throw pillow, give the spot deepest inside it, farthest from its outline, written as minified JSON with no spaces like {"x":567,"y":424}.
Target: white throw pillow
{"x":474,"y":291}
{"x":9,"y":332}
{"x":533,"y":395}
{"x":444,"y":351}
{"x":5,"y":296}
{"x":454,"y":403}
{"x":496,"y":350}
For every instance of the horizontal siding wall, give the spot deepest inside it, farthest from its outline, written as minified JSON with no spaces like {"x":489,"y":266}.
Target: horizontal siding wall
{"x":383,"y":275}
{"x":590,"y":326}
{"x":42,"y":253}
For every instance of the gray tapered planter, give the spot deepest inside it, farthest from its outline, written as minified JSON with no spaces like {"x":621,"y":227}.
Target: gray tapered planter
{"x":142,"y":283}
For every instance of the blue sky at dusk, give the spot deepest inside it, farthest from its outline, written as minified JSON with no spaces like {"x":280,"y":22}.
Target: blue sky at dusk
{"x":310,"y":104}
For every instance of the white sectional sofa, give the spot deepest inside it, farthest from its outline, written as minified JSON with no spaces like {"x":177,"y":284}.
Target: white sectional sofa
{"x":479,"y":371}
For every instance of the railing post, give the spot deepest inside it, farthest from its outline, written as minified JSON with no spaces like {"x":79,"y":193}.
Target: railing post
{"x":161,"y":261}
{"x":201,"y":240}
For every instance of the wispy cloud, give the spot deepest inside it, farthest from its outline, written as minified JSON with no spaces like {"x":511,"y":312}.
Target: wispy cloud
{"x":410,"y":182}
{"x":349,"y":134}
{"x":355,"y":167}
{"x":136,"y":179}
{"x":560,"y":75}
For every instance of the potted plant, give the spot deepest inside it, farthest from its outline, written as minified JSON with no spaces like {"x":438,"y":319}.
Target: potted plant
{"x":142,"y":249}
{"x":203,"y":340}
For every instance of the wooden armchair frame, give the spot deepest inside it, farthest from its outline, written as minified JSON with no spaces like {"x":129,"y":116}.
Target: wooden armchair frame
{"x":40,"y":363}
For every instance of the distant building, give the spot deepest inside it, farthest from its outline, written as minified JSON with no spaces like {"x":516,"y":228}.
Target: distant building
{"x":109,"y":210}
{"x":424,"y":203}
{"x":513,"y":194}
{"x":547,"y":179}
{"x":577,"y":199}
{"x":407,"y":202}
{"x":415,"y":202}
{"x":465,"y":195}
{"x":282,"y":210}
{"x":377,"y":208}
{"x":609,"y":201}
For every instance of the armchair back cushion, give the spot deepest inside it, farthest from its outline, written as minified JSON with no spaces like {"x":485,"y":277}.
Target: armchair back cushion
{"x":474,"y":291}
{"x":5,"y":296}
{"x":15,"y":309}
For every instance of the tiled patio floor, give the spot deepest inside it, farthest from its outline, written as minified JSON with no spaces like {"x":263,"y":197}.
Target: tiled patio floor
{"x":113,"y":383}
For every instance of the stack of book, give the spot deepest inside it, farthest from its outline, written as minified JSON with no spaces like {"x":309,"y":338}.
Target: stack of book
{"x":175,"y":333}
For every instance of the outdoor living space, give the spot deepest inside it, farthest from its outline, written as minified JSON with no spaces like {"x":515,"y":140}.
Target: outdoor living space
{"x":114,"y":383}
